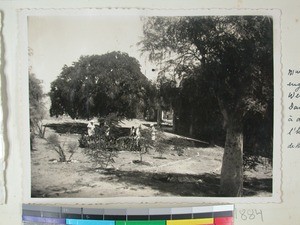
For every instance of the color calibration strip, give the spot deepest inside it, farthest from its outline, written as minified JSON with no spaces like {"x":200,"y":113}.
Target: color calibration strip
{"x":203,"y":215}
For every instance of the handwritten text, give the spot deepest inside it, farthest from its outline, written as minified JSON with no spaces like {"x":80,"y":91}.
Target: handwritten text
{"x":249,"y":214}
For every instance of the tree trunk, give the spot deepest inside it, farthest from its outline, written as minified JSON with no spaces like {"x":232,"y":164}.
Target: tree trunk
{"x":159,"y":115}
{"x":191,"y":127}
{"x":232,"y":166}
{"x":174,"y":121}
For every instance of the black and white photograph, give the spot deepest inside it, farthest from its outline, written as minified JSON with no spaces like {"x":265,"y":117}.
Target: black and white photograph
{"x":151,"y":106}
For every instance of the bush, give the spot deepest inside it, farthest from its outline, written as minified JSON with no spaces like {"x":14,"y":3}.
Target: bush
{"x":83,"y":141}
{"x":159,"y":143}
{"x":102,"y":151}
{"x":102,"y":147}
{"x":56,"y":145}
{"x":144,"y":143}
{"x":132,"y":143}
{"x":180,"y":144}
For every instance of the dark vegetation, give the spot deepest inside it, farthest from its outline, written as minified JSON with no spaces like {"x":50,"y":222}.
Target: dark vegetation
{"x":81,"y":128}
{"x":219,"y":88}
{"x":228,"y":63}
{"x":98,"y":85}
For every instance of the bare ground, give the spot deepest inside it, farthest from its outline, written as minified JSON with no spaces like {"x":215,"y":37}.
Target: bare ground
{"x":194,"y":173}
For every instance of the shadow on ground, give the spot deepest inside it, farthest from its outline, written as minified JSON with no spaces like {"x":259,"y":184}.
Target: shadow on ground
{"x":203,"y":185}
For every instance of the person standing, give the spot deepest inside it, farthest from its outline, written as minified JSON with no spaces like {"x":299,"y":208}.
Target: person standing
{"x":153,"y":132}
{"x":91,"y":128}
{"x":132,"y":132}
{"x":138,"y":135}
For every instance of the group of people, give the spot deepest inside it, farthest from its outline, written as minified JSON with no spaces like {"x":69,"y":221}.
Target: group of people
{"x":91,"y":129}
{"x":135,"y":133}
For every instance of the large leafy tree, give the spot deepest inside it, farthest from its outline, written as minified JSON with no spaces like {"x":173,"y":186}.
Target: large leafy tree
{"x":98,"y":85}
{"x":233,"y":55}
{"x":37,"y":107}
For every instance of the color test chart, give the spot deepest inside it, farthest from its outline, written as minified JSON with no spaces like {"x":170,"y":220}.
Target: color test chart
{"x":202,"y":215}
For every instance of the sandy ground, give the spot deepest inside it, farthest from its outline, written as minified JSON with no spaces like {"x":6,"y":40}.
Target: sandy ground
{"x":194,"y":173}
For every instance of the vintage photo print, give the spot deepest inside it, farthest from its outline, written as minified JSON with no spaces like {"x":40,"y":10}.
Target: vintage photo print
{"x":158,"y":104}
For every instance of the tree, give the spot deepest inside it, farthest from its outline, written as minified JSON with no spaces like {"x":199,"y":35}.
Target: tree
{"x":36,"y":106}
{"x":98,"y":85}
{"x":197,"y":111}
{"x":234,"y":56}
{"x":54,"y":141}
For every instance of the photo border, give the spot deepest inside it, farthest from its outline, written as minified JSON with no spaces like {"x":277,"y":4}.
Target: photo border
{"x":117,"y":202}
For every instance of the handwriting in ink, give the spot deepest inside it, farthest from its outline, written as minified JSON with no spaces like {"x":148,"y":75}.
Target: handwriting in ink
{"x":293,"y":97}
{"x":293,"y":94}
{"x":294,"y":107}
{"x":294,"y":85}
{"x":293,"y":72}
{"x":294,"y":130}
{"x":293,"y":145}
{"x":249,"y":214}
{"x":291,"y":119}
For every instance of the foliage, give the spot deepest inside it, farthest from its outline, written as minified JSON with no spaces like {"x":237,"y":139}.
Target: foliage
{"x":144,"y":143}
{"x":103,"y":146}
{"x":59,"y":148}
{"x":36,"y":106}
{"x":179,"y":145}
{"x":258,"y":139}
{"x":72,"y":147}
{"x":101,"y":150}
{"x":98,"y":85}
{"x":167,"y":91}
{"x":197,"y":111}
{"x":83,"y":141}
{"x":231,"y":55}
{"x":141,"y":144}
{"x":159,"y":145}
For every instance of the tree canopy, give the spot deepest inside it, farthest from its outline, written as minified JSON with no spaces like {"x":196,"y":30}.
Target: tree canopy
{"x":233,"y":54}
{"x":232,"y":59}
{"x":98,"y":85}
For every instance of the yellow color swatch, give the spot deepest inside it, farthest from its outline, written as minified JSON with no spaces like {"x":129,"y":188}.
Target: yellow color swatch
{"x":206,"y":221}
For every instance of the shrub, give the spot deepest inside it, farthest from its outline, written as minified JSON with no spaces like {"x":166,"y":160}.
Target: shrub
{"x":159,"y":143}
{"x":102,"y":150}
{"x":180,"y":144}
{"x":102,"y":147}
{"x":83,"y":141}
{"x":56,"y":145}
{"x":72,"y":147}
{"x":144,"y":143}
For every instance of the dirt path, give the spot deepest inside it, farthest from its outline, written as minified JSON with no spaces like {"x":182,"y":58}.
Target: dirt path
{"x":195,"y":172}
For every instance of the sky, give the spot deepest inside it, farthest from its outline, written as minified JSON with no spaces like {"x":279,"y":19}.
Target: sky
{"x":59,"y":40}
